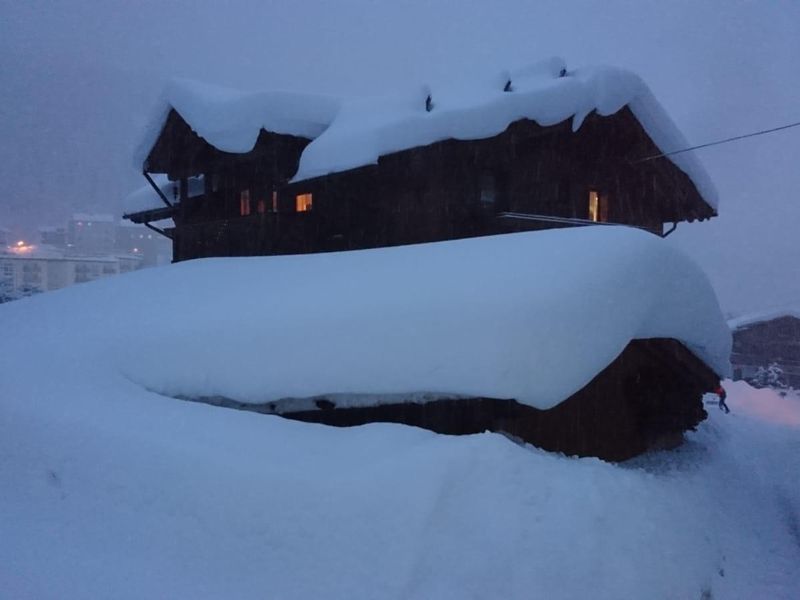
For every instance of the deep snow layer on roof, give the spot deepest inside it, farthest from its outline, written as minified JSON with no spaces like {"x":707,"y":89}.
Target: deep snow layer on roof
{"x":350,"y":133}
{"x":531,"y":316}
{"x":145,"y":197}
{"x":764,"y":315}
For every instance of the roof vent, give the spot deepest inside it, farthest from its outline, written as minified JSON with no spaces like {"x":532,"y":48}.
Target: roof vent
{"x":508,"y":87}
{"x":428,"y":103}
{"x":562,"y":72}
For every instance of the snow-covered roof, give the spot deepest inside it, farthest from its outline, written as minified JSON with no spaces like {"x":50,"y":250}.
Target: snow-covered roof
{"x":764,"y":315}
{"x":146,"y":197}
{"x":348,"y":133}
{"x":531,"y":316}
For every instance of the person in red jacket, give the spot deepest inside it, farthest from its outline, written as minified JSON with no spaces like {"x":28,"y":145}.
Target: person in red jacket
{"x":720,"y":391}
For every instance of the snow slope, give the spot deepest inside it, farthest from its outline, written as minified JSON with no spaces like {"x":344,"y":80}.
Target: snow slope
{"x":352,"y":132}
{"x":532,"y":316}
{"x":112,"y":492}
{"x":108,"y":490}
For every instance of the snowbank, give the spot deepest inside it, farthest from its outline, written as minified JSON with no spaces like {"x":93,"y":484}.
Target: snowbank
{"x":108,"y":490}
{"x":531,"y":316}
{"x":112,"y":492}
{"x":350,"y":133}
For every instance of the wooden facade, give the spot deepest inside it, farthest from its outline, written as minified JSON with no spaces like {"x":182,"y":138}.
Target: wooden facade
{"x":763,"y":343}
{"x":528,"y":177}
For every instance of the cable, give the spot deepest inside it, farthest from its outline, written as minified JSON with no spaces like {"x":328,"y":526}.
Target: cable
{"x":725,"y":141}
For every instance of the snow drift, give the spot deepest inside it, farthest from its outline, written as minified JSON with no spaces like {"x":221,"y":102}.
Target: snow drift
{"x":111,"y":492}
{"x":532,"y":316}
{"x":108,"y":490}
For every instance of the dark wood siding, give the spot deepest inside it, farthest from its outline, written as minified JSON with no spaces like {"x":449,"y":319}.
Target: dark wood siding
{"x":425,"y":194}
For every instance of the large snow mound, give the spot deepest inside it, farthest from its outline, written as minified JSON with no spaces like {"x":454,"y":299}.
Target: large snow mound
{"x":111,"y":492}
{"x":352,"y":132}
{"x":532,"y":316}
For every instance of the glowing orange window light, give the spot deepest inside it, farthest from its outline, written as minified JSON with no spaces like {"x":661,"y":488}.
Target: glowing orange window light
{"x":594,"y":205}
{"x":244,"y":203}
{"x":303,"y":202}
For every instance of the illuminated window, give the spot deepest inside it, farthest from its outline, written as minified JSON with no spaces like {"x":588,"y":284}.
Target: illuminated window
{"x":261,"y":207}
{"x":244,"y":203}
{"x":594,"y":205}
{"x":274,"y":202}
{"x":303,"y":202}
{"x":598,"y":206}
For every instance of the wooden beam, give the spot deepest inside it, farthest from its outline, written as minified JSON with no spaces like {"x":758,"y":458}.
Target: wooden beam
{"x":158,"y":230}
{"x":153,"y":214}
{"x":156,"y":188}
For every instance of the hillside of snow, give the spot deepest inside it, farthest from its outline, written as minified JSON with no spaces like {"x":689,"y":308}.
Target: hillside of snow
{"x":111,"y":490}
{"x":121,"y":494}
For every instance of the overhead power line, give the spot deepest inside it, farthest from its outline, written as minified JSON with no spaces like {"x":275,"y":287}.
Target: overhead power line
{"x":718,"y":142}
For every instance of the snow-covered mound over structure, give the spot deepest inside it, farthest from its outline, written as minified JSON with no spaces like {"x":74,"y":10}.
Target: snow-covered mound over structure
{"x":353,"y":132}
{"x":532,"y":317}
{"x":108,"y":490}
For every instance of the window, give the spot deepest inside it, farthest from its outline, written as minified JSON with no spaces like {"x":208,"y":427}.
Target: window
{"x":261,"y":207}
{"x":594,"y":205}
{"x":303,"y":202}
{"x":274,"y":202}
{"x":598,"y":206}
{"x":244,"y":203}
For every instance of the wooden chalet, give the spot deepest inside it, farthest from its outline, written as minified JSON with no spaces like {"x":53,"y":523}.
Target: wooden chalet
{"x":524,"y":177}
{"x":762,"y":340}
{"x":274,"y":195}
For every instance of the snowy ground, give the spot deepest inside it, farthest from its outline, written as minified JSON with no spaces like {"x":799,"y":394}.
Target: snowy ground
{"x":108,"y":490}
{"x":140,"y":496}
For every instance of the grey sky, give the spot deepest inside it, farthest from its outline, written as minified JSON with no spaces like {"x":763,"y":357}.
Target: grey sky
{"x":77,"y":80}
